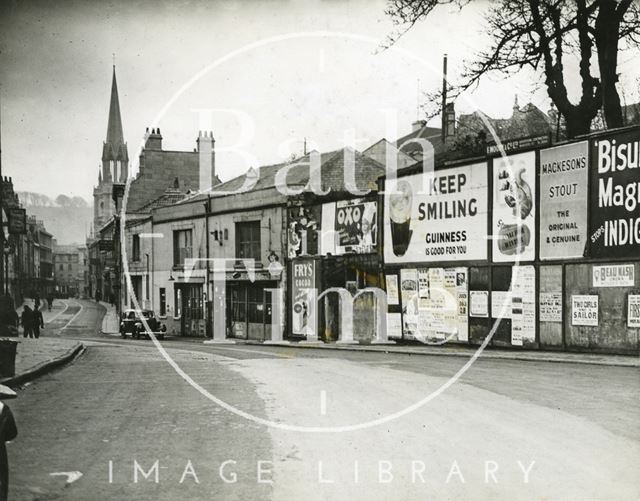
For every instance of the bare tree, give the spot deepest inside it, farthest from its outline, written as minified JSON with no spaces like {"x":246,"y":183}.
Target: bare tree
{"x":541,"y":34}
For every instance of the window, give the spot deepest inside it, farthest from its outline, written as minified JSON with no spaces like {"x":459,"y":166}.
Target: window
{"x":69,"y":267}
{"x":61,"y":266}
{"x":163,"y":302}
{"x":182,"y":246}
{"x":248,"y":240}
{"x":135,"y":248}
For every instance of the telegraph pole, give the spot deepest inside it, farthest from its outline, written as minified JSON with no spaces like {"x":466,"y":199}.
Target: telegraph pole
{"x":2,"y":285}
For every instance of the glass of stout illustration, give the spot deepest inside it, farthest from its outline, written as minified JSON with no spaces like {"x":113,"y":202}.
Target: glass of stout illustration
{"x":400,"y":202}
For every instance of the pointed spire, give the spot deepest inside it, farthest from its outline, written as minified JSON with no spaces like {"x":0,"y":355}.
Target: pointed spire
{"x":114,"y":128}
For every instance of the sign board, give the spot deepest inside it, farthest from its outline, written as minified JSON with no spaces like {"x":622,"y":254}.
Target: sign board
{"x":550,"y":306}
{"x":584,"y":310}
{"x":514,"y":219}
{"x":633,"y":310}
{"x":514,"y":145}
{"x":105,"y":245}
{"x":303,"y":228}
{"x":614,"y":275}
{"x":479,"y":304}
{"x":392,"y":290}
{"x":349,"y":227}
{"x":17,"y":221}
{"x":614,"y":228}
{"x":563,"y":201}
{"x":437,"y":218}
{"x":303,"y":278}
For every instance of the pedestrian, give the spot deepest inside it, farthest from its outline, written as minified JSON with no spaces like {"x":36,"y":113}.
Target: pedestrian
{"x":27,"y":321}
{"x":50,"y":301}
{"x":38,"y":322}
{"x":36,"y":300}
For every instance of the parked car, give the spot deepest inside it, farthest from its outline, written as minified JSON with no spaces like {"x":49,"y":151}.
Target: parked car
{"x":131,"y":324}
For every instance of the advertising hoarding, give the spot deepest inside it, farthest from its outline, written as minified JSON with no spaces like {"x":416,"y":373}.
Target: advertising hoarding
{"x":303,"y":278}
{"x":349,"y":227}
{"x":513,"y":226}
{"x":563,"y":201}
{"x":441,"y":218}
{"x":614,"y":228}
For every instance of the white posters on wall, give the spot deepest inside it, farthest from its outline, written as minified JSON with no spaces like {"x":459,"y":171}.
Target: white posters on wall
{"x":523,"y":305}
{"x":409,"y":295}
{"x":500,"y":304}
{"x":392,"y":290}
{"x":550,"y":306}
{"x":633,"y":310}
{"x":394,"y":325}
{"x":479,"y":304}
{"x":563,"y":201}
{"x":614,"y":275}
{"x":513,"y":226}
{"x":442,"y":218}
{"x":584,"y":310}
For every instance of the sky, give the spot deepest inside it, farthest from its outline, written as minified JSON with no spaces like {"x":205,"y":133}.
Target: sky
{"x":274,"y":71}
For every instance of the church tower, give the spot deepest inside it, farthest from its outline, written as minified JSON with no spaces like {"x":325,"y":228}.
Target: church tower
{"x":115,"y":162}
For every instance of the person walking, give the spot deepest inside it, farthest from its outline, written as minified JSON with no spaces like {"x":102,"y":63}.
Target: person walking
{"x":50,"y":301}
{"x":27,"y":321}
{"x":38,"y":322}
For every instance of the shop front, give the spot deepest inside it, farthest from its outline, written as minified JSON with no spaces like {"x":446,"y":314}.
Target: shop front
{"x":249,"y":309}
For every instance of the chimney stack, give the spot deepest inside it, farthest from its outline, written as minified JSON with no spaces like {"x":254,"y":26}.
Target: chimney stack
{"x":206,"y":160}
{"x":153,"y":140}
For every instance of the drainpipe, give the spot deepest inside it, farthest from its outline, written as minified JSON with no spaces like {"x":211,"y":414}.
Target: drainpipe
{"x":207,"y":210}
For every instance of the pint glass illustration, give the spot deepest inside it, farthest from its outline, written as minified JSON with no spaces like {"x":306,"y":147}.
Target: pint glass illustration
{"x":400,"y":204}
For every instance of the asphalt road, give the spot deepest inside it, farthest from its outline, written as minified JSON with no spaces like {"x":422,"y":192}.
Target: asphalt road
{"x":504,"y":430}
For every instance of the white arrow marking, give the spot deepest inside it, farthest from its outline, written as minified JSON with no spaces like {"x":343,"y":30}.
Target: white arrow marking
{"x":72,"y":476}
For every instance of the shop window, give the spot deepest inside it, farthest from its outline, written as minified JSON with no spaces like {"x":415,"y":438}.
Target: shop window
{"x":135,"y":248}
{"x":182,"y":246}
{"x":248,"y":240}
{"x":163,"y":302}
{"x":255,"y":305}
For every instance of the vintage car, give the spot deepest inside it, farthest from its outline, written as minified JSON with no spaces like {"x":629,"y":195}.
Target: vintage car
{"x":131,"y":323}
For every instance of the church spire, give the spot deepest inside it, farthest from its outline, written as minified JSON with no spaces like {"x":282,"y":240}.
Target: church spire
{"x":114,"y":128}
{"x":115,"y":157}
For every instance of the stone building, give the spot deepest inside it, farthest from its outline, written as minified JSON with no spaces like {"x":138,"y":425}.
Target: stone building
{"x":70,"y":269}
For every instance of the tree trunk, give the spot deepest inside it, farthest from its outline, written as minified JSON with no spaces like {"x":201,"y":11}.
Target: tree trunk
{"x":607,"y":29}
{"x":577,"y":123}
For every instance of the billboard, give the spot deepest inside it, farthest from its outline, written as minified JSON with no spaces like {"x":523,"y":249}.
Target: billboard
{"x":303,"y":278}
{"x":442,"y":219}
{"x":614,"y":228}
{"x":514,"y":219}
{"x":349,"y":227}
{"x":563,"y":201}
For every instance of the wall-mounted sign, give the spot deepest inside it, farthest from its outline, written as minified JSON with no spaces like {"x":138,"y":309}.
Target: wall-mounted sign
{"x":303,"y":278}
{"x":392,"y":290}
{"x":614,"y":275}
{"x":563,"y":201}
{"x":615,"y":196}
{"x":584,"y":310}
{"x":550,"y":306}
{"x":514,"y":235}
{"x":500,"y":304}
{"x":514,"y":145}
{"x":349,"y":226}
{"x":442,"y":218}
{"x":479,"y":304}
{"x":633,"y":311}
{"x":17,"y":221}
{"x":105,"y":245}
{"x":302,"y":230}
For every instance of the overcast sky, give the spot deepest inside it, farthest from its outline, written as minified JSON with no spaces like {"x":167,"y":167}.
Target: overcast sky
{"x":56,"y":63}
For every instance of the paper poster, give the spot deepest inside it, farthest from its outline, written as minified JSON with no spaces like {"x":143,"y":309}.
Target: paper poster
{"x":409,"y":296}
{"x":614,"y":275}
{"x":304,"y":278}
{"x":394,"y":325}
{"x":392,"y":290}
{"x":500,"y":304}
{"x":614,"y":222}
{"x":353,"y":227}
{"x":563,"y":201}
{"x":514,"y":219}
{"x":479,"y":304}
{"x":523,"y":305}
{"x":303,"y":230}
{"x":550,"y":306}
{"x":633,"y":310}
{"x":437,"y":218}
{"x":584,"y":310}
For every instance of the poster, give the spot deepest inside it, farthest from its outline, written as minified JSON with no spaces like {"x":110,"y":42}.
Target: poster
{"x":392,"y":290}
{"x":514,"y":220}
{"x":633,"y":310}
{"x":479,"y":304}
{"x":523,"y":305}
{"x":550,"y":306}
{"x":303,"y":278}
{"x":500,"y":304}
{"x":584,"y":310}
{"x":303,"y":229}
{"x":409,"y":296}
{"x":442,"y":218}
{"x":614,"y":275}
{"x":353,"y":227}
{"x":563,"y":201}
{"x":614,"y":229}
{"x":394,"y":326}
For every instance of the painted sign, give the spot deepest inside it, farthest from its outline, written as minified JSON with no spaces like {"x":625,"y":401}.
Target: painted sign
{"x":523,"y":305}
{"x":614,"y":229}
{"x":563,"y":201}
{"x":633,"y":311}
{"x":437,"y":218}
{"x":479,"y":304}
{"x":614,"y":275}
{"x":519,"y":144}
{"x":550,"y":306}
{"x":303,"y":278}
{"x":514,"y":232}
{"x":584,"y":310}
{"x":392,"y":290}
